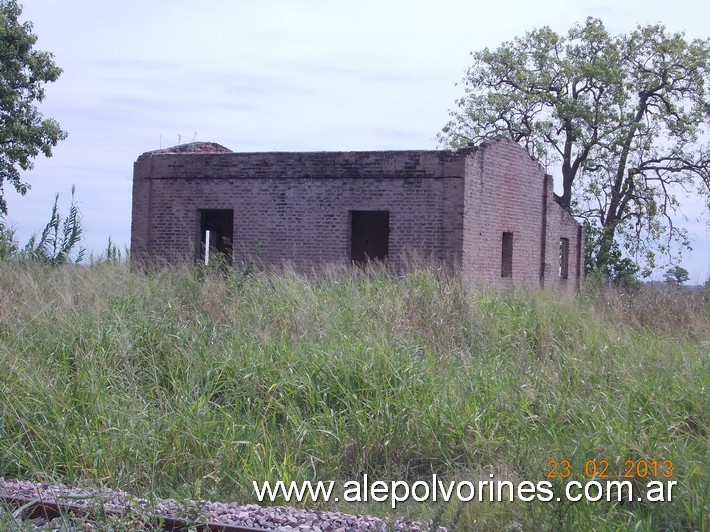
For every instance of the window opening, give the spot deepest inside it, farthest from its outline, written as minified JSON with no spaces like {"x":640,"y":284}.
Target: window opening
{"x":564,"y":257}
{"x":506,"y":269}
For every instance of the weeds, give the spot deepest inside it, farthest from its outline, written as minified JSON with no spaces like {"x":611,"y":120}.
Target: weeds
{"x":58,"y":243}
{"x":193,"y":384}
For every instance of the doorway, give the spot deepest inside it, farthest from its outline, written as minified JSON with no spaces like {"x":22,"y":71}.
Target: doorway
{"x":369,"y":236}
{"x":216,"y":233}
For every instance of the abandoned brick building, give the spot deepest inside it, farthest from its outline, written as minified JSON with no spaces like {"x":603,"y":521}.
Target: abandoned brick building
{"x":486,"y":211}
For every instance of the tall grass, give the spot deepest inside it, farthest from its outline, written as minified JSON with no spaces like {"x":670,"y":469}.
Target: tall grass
{"x":186,"y":383}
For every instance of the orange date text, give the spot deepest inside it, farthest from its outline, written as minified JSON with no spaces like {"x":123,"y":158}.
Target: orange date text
{"x":640,"y":468}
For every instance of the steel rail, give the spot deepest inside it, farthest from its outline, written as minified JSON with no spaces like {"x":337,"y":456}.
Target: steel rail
{"x":35,"y":508}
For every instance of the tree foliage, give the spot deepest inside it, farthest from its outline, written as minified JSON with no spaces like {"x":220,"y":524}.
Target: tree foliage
{"x":620,"y":270}
{"x":24,"y":132}
{"x":677,"y":275}
{"x":624,"y":117}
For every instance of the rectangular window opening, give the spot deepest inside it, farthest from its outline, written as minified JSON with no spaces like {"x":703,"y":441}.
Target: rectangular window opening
{"x":369,"y":236}
{"x":216,"y":234}
{"x":506,"y":269}
{"x":564,"y":258}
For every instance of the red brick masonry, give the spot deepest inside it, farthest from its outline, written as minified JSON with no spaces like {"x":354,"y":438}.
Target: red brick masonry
{"x":452,"y":207}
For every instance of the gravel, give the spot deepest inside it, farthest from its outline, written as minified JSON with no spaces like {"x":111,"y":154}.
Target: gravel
{"x":267,"y":518}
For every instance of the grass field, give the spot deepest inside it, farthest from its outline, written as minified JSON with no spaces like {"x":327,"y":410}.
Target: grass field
{"x":192,"y":384}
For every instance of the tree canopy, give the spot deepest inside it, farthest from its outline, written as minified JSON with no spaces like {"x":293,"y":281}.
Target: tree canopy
{"x":677,"y":275}
{"x":625,"y":118}
{"x":24,"y":132}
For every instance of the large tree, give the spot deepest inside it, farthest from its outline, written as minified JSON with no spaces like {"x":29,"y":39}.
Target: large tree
{"x":24,"y":132}
{"x":625,"y":118}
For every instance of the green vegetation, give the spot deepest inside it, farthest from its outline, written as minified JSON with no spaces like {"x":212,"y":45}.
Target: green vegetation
{"x":59,"y":242}
{"x":623,"y":116}
{"x":193,"y":383}
{"x":24,"y":72}
{"x":677,"y":275}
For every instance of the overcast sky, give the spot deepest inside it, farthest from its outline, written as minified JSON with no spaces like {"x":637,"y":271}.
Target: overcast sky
{"x":273,"y":75}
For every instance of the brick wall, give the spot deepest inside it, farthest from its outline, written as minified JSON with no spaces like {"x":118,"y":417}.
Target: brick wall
{"x":296,"y":205}
{"x":560,"y":224}
{"x":506,"y":192}
{"x":503,"y":193}
{"x":451,"y":207}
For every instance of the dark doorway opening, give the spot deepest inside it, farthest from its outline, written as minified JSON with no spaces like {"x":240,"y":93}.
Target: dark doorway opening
{"x":369,"y":236}
{"x":216,"y":233}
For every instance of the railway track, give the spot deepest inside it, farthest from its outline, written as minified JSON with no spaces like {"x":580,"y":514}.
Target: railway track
{"x":28,"y":509}
{"x":28,"y":505}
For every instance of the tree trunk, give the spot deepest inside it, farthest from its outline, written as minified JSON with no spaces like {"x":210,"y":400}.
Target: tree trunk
{"x":606,"y":242}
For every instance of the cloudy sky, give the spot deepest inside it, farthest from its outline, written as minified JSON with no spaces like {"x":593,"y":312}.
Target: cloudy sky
{"x":273,"y":75}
